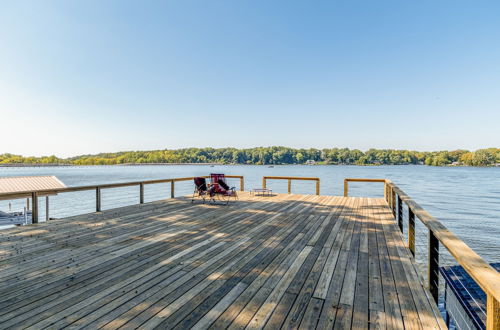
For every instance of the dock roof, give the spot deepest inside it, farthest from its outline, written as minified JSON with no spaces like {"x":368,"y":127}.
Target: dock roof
{"x":28,"y":183}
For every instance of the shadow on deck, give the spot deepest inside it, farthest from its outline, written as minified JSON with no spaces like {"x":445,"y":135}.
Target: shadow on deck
{"x":280,"y":261}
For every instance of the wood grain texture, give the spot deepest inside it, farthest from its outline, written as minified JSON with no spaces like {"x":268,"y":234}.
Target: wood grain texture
{"x":286,"y":261}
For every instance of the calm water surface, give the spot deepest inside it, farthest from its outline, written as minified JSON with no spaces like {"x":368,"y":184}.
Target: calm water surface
{"x":466,"y":200}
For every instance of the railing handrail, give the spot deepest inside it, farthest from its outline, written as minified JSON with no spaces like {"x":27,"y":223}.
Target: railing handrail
{"x":104,"y":186}
{"x":347,"y":180}
{"x":485,"y":276}
{"x":35,"y":194}
{"x":290,"y":178}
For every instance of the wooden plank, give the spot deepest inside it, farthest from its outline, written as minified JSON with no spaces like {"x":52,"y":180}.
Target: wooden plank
{"x":403,"y":289}
{"x":393,"y":317}
{"x":221,"y":306}
{"x":280,"y":312}
{"x":307,"y":282}
{"x":343,"y":317}
{"x":265,"y":311}
{"x":375,"y":294}
{"x":327,"y":273}
{"x":360,"y":309}
{"x":311,"y":314}
{"x":336,"y":280}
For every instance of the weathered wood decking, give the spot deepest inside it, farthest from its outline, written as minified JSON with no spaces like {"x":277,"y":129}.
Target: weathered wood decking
{"x":284,"y":261}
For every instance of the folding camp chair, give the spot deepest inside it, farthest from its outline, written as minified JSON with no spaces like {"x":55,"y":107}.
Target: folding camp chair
{"x":221,"y":189}
{"x":201,"y":190}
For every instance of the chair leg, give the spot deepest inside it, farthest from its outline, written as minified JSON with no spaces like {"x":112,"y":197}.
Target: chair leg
{"x":197,"y":194}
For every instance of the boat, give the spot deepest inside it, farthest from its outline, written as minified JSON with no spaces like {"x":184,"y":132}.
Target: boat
{"x":15,"y":218}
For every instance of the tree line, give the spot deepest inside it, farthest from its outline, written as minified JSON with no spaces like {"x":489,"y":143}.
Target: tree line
{"x":273,"y":156}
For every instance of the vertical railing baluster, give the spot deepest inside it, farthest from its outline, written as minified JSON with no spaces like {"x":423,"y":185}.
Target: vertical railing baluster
{"x":172,"y":189}
{"x":242,"y":184}
{"x":289,"y":186}
{"x":346,"y":188}
{"x":433,"y":267}
{"x":98,"y":199}
{"x":141,"y":193}
{"x":317,"y":187}
{"x":400,"y":213}
{"x":34,"y":207}
{"x":411,"y":231}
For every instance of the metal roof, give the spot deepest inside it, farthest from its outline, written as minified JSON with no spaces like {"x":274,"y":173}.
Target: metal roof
{"x":28,"y":183}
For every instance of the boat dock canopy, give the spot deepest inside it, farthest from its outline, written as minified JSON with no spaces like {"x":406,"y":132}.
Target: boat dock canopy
{"x":28,"y":183}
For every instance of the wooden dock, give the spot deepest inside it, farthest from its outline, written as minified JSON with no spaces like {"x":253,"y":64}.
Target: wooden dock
{"x":286,"y":261}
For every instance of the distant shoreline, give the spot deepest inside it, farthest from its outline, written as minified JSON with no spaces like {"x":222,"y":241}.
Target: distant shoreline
{"x":204,"y":164}
{"x":127,"y":164}
{"x":267,"y":156}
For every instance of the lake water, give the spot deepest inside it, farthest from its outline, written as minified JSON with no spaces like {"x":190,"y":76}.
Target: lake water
{"x":465,"y":199}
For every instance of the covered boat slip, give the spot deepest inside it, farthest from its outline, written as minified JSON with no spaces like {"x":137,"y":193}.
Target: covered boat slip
{"x":262,"y":262}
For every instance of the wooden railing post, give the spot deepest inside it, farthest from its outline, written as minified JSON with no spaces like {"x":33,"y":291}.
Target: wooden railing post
{"x":317,"y":187}
{"x":34,"y":207}
{"x":289,"y":186}
{"x":141,"y":193}
{"x":172,"y":189}
{"x":433,"y":267}
{"x":393,"y":202}
{"x":47,"y":208}
{"x":411,"y":231}
{"x":346,"y":188}
{"x":98,"y":199}
{"x":400,"y":213}
{"x":242,"y":184}
{"x":385,"y":191}
{"x":264,"y":182}
{"x":492,"y":313}
{"x":389,"y":197}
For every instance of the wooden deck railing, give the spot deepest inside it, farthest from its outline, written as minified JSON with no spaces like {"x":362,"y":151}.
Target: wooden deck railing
{"x":99,"y":188}
{"x":346,"y":183}
{"x":484,"y":275}
{"x":290,"y":179}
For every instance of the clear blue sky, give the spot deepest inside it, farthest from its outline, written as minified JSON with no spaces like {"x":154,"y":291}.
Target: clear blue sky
{"x":95,"y":76}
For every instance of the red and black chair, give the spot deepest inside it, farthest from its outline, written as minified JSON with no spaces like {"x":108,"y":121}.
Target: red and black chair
{"x":221,"y":189}
{"x":202,"y":191}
